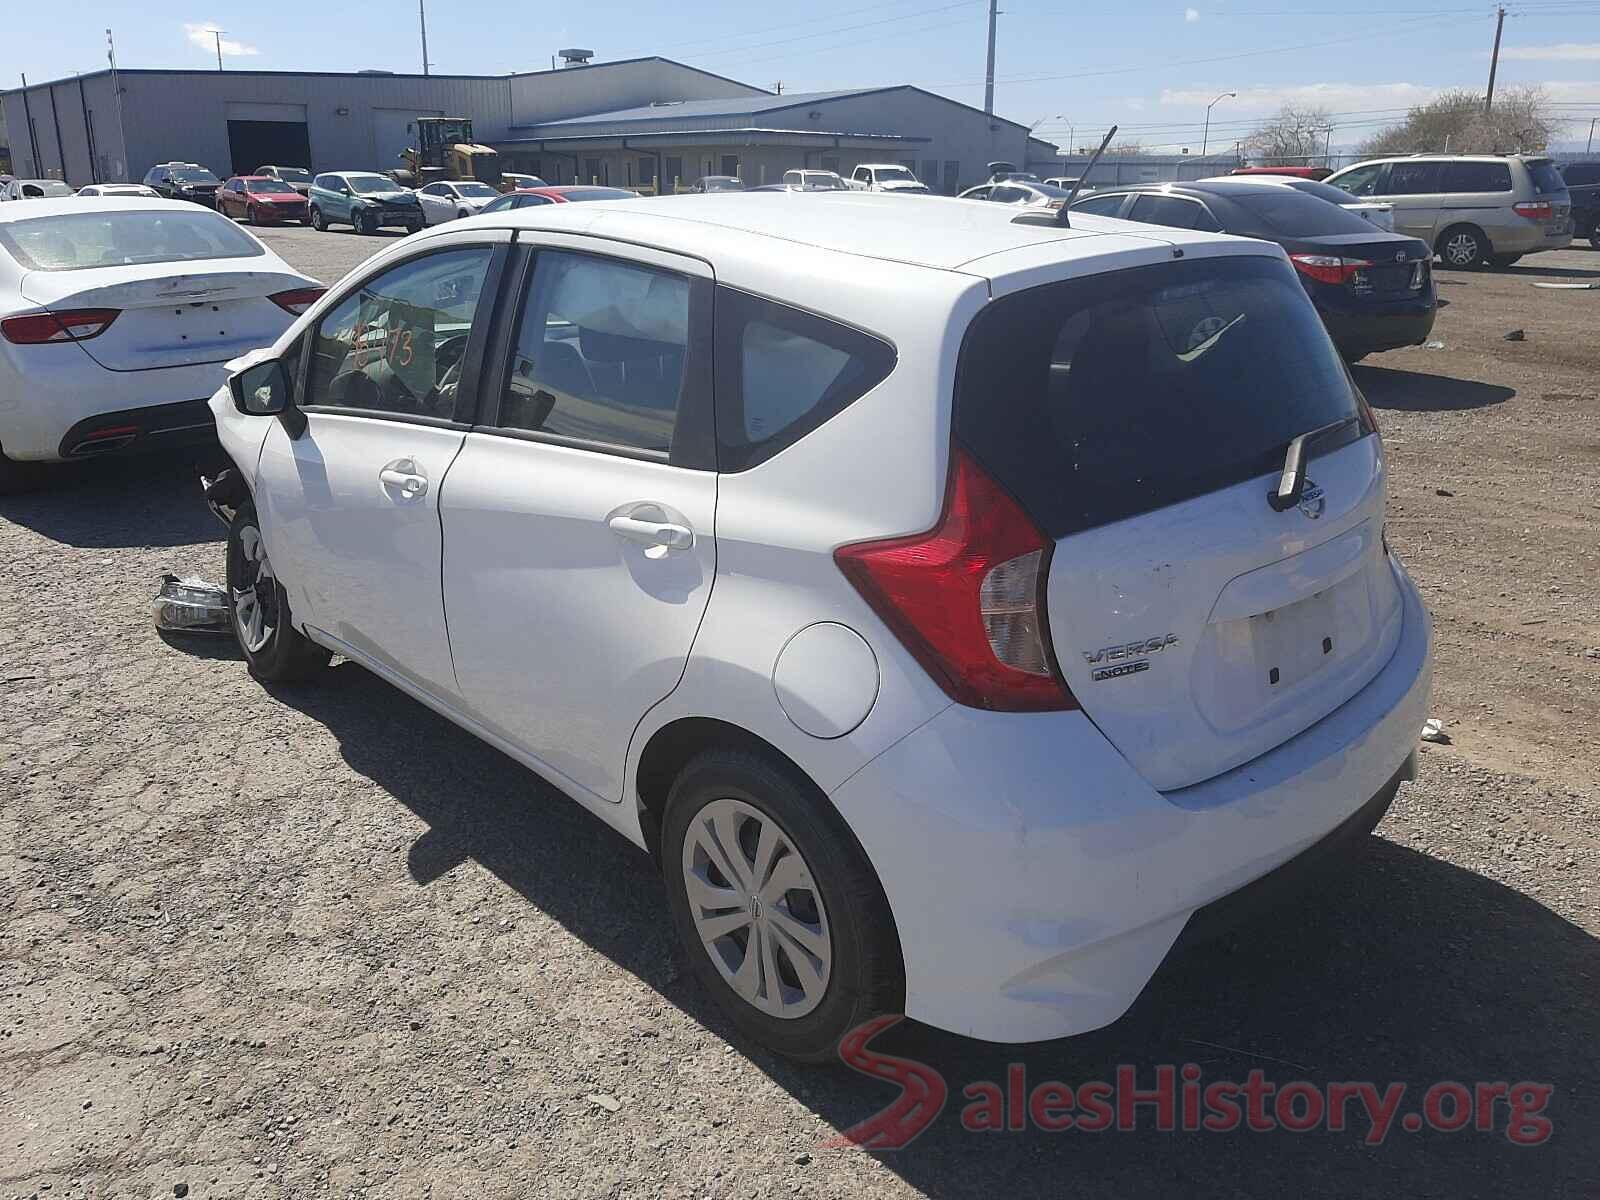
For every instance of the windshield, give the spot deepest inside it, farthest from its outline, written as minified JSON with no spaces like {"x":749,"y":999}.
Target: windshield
{"x":1099,"y":398}
{"x":478,"y":190}
{"x":895,"y":175}
{"x":823,"y":180}
{"x":78,"y":241}
{"x":367,"y":185}
{"x":294,"y":174}
{"x":1546,"y":178}
{"x":271,"y":187}
{"x":193,"y":175}
{"x":1295,"y":214}
{"x":724,"y":185}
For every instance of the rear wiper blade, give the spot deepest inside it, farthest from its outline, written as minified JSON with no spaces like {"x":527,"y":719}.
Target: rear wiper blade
{"x":1292,"y":485}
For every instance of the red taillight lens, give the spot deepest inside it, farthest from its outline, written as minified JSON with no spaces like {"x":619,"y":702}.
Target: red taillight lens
{"x":74,"y":325}
{"x":1535,"y":210}
{"x":298,"y":300}
{"x":967,"y":597}
{"x":1328,"y":268}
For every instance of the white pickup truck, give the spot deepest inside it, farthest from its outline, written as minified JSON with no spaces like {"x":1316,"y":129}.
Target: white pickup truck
{"x":886,"y":177}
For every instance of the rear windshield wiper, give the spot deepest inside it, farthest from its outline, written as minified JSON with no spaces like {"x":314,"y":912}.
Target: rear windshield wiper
{"x":1292,"y":485}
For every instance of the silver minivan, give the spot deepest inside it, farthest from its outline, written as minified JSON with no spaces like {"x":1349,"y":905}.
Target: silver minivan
{"x":1474,"y":210}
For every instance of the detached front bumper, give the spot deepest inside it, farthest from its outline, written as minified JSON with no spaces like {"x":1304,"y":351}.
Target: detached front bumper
{"x":1037,"y":881}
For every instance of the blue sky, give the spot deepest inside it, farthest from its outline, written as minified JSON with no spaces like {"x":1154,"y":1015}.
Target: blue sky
{"x":1149,"y":65}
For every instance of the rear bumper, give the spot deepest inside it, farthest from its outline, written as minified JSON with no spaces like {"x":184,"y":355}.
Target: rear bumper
{"x":184,"y":423}
{"x":1526,"y":237}
{"x":1037,"y":881}
{"x":1384,"y":326}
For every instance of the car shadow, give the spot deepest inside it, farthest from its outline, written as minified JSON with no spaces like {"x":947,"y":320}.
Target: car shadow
{"x":1394,"y":967}
{"x":112,"y":503}
{"x":1416,"y":391}
{"x":1536,"y":270}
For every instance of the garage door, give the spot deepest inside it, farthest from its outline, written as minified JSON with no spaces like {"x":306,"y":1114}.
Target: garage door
{"x":268,"y":134}
{"x":394,"y":130}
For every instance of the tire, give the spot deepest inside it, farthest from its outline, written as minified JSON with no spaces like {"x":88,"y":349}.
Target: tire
{"x":1463,"y":247}
{"x":462,"y":214}
{"x":316,"y":221}
{"x":250,"y":216}
{"x":1502,"y":261}
{"x":17,"y":477}
{"x":1353,"y":358}
{"x":836,"y":903}
{"x":1594,"y":236}
{"x":258,"y":610}
{"x":362,"y":223}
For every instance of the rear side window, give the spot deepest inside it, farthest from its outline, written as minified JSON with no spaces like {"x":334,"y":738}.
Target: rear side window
{"x":1101,"y":206}
{"x":1475,"y":177}
{"x":1100,"y":398}
{"x":1175,"y":212}
{"x":1412,"y":179}
{"x":782,"y":372}
{"x":1546,"y":178}
{"x":1579,"y":174}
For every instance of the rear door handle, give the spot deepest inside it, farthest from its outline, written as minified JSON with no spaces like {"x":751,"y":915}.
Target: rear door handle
{"x":651,"y":533}
{"x":402,"y":475}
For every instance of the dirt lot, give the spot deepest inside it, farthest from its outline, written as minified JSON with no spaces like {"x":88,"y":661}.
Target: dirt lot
{"x":320,"y":943}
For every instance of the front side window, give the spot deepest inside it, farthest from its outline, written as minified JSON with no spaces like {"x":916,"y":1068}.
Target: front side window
{"x":600,"y":353}
{"x":396,"y":344}
{"x":1359,"y":181}
{"x":782,"y":372}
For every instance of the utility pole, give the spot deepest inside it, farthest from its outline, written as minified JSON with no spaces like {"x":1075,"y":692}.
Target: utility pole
{"x":1494,"y":58}
{"x":988,"y":78}
{"x":217,"y":33}
{"x":116,"y":95}
{"x":422,"y":18}
{"x":33,"y":135}
{"x":1590,"y":146}
{"x":1205,"y":138}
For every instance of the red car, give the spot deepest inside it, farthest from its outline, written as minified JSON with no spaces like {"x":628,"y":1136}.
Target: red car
{"x":567,"y":194}
{"x":262,"y":201}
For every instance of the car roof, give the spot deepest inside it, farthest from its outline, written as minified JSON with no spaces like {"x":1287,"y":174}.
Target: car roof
{"x":1203,"y":187}
{"x":945,"y":233}
{"x":64,"y":205}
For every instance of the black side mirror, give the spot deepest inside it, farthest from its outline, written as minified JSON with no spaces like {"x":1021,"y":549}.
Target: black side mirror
{"x":261,"y":390}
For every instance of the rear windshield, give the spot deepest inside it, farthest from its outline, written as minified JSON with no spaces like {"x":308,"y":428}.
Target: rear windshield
{"x":78,"y":241}
{"x":1545,"y":176}
{"x":597,"y":194}
{"x":1100,"y":398}
{"x":1292,"y":213}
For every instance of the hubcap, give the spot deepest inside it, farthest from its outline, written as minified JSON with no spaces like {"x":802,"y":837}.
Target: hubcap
{"x":255,"y":606}
{"x":1462,"y":249}
{"x":757,"y":909}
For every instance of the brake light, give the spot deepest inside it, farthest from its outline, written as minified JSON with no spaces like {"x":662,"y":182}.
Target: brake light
{"x":967,"y":597}
{"x":1535,"y":210}
{"x":1328,"y":268}
{"x":1368,"y":417}
{"x":297,"y":300}
{"x":74,"y":325}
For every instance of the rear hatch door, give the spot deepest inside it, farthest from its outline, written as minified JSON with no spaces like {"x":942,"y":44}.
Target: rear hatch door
{"x":1141,"y":417}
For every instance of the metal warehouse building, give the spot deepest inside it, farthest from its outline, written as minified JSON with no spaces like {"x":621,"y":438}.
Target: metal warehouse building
{"x":627,"y":123}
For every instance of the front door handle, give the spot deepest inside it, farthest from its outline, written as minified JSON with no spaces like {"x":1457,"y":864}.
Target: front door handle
{"x":663,"y":534}
{"x":403,"y":476}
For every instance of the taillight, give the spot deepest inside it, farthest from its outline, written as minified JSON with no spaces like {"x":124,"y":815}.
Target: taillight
{"x":1328,"y":268}
{"x":74,"y":325}
{"x":1368,"y":417}
{"x":967,"y":597}
{"x":297,"y":300}
{"x":1535,"y":210}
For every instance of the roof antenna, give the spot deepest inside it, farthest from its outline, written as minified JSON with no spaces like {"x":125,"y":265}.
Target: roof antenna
{"x":1061,"y":217}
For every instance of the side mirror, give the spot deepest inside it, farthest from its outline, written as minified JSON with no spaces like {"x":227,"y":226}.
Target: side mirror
{"x":261,"y":390}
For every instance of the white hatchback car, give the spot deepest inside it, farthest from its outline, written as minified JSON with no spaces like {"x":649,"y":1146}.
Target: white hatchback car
{"x":448,"y":200}
{"x":939,"y":595}
{"x":116,"y":320}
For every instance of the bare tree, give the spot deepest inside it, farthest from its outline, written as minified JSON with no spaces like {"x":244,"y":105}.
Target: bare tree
{"x":1522,"y":119}
{"x":1291,"y":137}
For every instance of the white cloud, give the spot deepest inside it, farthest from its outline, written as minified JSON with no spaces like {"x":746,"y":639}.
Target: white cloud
{"x":1572,"y":91}
{"x":1191,"y":15}
{"x":1561,"y":52}
{"x":1339,"y":97}
{"x":202,"y":34}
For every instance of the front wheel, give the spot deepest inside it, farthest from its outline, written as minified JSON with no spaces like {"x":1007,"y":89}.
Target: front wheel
{"x":258,"y":609}
{"x":1594,"y":235}
{"x":362,"y":222}
{"x":251,"y":216}
{"x":780,"y":912}
{"x":317,"y":220}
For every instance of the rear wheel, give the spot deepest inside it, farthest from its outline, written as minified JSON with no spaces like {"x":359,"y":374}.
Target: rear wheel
{"x":1504,"y":260}
{"x":1594,"y":235}
{"x":1463,"y":247}
{"x":258,"y":609}
{"x":780,"y":912}
{"x":317,"y":221}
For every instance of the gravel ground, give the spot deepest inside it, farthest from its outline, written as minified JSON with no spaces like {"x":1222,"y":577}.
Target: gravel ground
{"x":318,"y":942}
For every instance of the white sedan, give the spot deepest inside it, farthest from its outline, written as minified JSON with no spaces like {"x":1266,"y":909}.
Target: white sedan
{"x":116,"y":319}
{"x":448,"y":199}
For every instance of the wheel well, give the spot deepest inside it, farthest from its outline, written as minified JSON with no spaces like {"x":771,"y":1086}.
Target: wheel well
{"x":669,"y":750}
